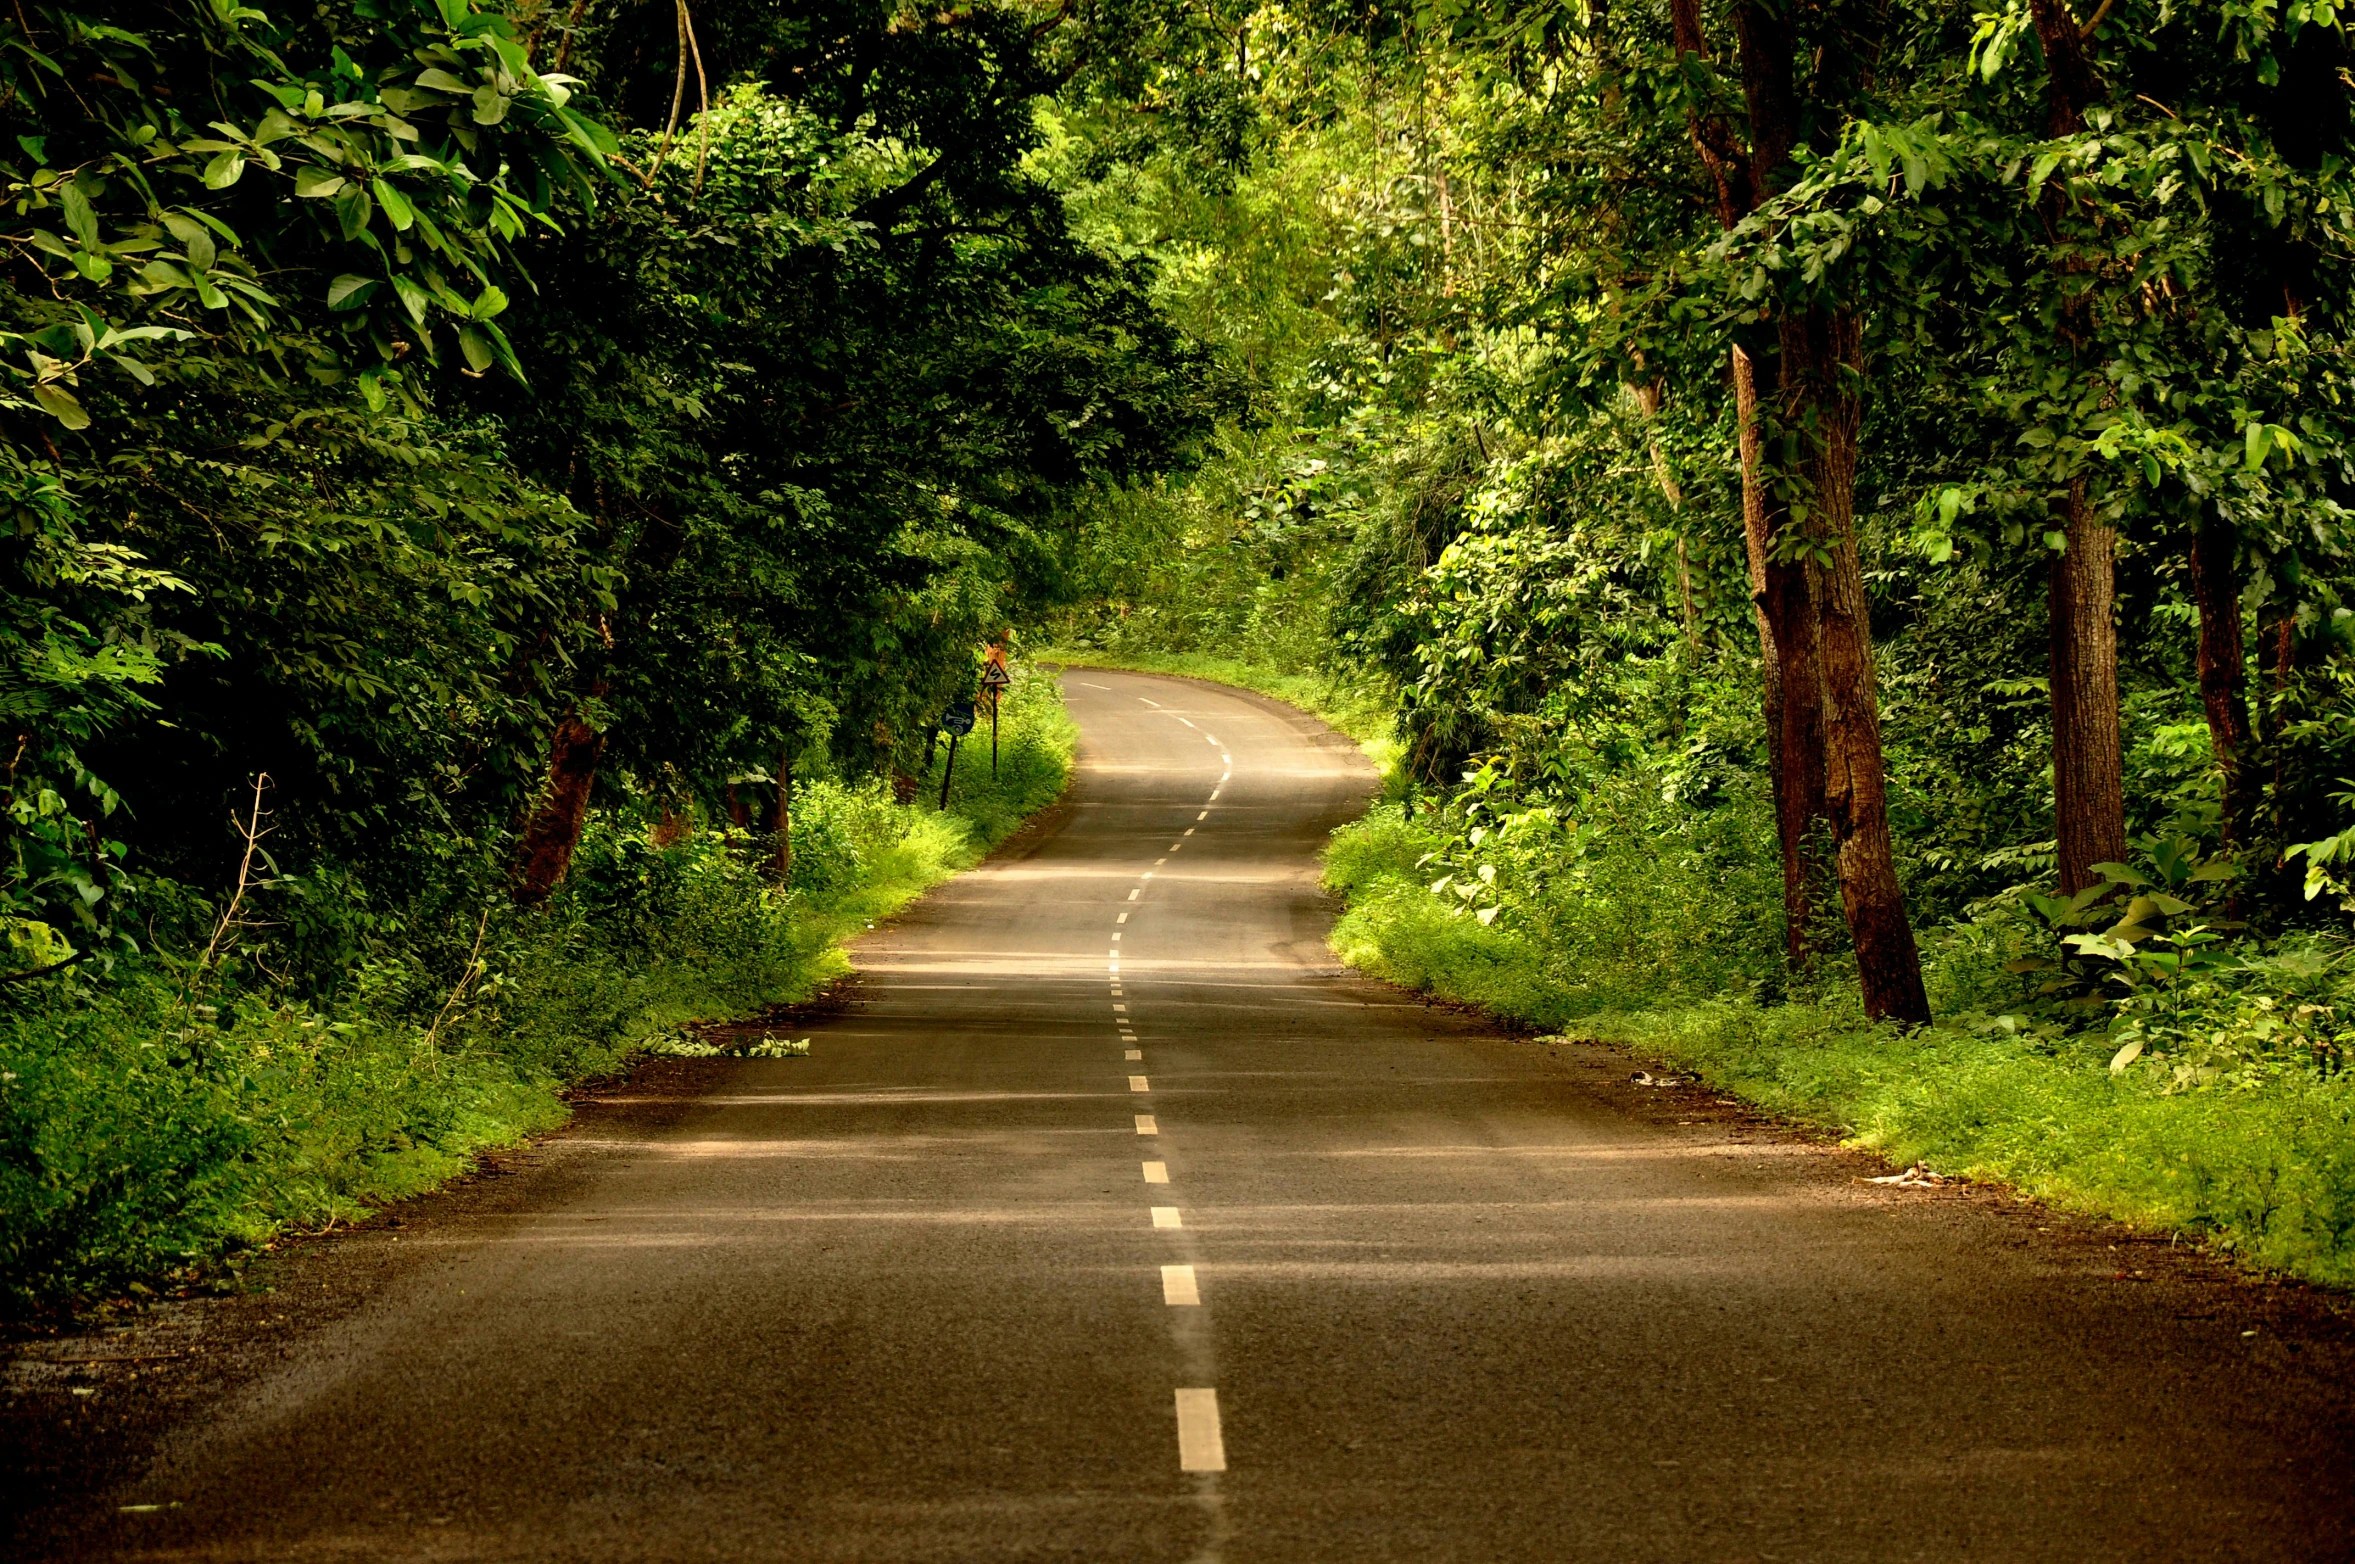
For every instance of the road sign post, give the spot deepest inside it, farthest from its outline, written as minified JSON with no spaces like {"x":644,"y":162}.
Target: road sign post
{"x":994,"y":680}
{"x":957,"y":721}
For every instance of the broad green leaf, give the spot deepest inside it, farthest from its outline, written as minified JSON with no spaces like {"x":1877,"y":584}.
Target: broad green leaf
{"x":396,"y":205}
{"x":413,"y":298}
{"x":315,"y":183}
{"x":476,"y":347}
{"x":78,"y":216}
{"x":349,"y":291}
{"x":224,"y":170}
{"x":59,"y":404}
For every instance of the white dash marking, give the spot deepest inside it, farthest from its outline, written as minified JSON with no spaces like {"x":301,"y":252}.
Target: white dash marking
{"x":1188,"y":724}
{"x":1139,"y":891}
{"x":1189,"y":830}
{"x":1214,"y":792}
{"x":1167,"y":1216}
{"x":1212,"y":737}
{"x":1123,"y":918}
{"x":1156,"y":705}
{"x":1204,"y":815}
{"x":1135,"y":1056}
{"x":1120,"y":1010}
{"x":1146,"y":1126}
{"x":1178,"y":1288}
{"x":1200,"y":1449}
{"x":1138,"y":1083}
{"x":1083,"y":684}
{"x":1156,"y":1172}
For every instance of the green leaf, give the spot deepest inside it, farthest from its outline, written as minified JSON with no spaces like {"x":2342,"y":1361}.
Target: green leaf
{"x":412,"y":298}
{"x":59,"y":404}
{"x":224,"y":170}
{"x":476,"y":347}
{"x":78,"y":216}
{"x":441,"y":81}
{"x":2041,"y":171}
{"x":396,"y":206}
{"x":314,"y":183}
{"x":2126,"y":1056}
{"x":352,"y":211}
{"x":349,"y":291}
{"x":490,"y":303}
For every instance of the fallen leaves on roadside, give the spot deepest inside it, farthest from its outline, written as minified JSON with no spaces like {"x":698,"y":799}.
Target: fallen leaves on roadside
{"x":1918,"y":1176}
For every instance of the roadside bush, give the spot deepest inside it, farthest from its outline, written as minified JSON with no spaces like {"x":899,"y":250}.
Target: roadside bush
{"x":157,"y":1116}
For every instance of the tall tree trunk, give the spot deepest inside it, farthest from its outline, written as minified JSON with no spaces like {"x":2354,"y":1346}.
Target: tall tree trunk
{"x":553,"y":830}
{"x":784,"y":866}
{"x":2088,"y":787}
{"x":2088,"y":784}
{"x":2223,"y":656}
{"x":1782,"y":596}
{"x":1822,"y":359}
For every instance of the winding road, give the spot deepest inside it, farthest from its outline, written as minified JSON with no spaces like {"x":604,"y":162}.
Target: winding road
{"x":1115,"y":1221}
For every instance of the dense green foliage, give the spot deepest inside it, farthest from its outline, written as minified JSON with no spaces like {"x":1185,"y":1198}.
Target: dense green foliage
{"x":464,"y":458}
{"x":154,"y":1122}
{"x":1487,"y":269}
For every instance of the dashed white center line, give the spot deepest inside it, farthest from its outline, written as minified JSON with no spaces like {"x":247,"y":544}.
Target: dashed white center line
{"x":1156,"y":1172}
{"x":1139,"y":891}
{"x":1146,"y":1126}
{"x":1188,"y":724}
{"x":1204,"y":815}
{"x":1212,"y":737}
{"x":1167,"y":1216}
{"x":1083,"y":684}
{"x":1200,"y":1449}
{"x":1189,"y":830}
{"x":1123,"y":918}
{"x":1138,"y":1083}
{"x":1156,"y":705}
{"x":1214,"y":792}
{"x":1147,"y":875}
{"x":1136,"y":1056}
{"x":1120,"y":1010}
{"x":1178,"y":1288}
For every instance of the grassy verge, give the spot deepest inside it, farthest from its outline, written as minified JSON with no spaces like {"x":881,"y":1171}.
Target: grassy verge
{"x":1363,"y":711}
{"x":2263,"y":1167}
{"x":155,"y":1125}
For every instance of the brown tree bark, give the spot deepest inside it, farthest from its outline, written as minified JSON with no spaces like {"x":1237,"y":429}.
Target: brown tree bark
{"x":784,"y":822}
{"x":2215,"y":588}
{"x":553,"y":830}
{"x":1822,"y":356}
{"x":1783,"y":598}
{"x":1781,"y":595}
{"x":1818,"y":609}
{"x":2088,"y":786}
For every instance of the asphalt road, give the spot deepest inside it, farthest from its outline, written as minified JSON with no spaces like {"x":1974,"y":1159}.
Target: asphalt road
{"x":1115,"y":1222}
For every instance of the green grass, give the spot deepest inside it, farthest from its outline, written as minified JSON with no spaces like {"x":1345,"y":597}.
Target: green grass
{"x":148,"y":1132}
{"x":2265,"y":1169}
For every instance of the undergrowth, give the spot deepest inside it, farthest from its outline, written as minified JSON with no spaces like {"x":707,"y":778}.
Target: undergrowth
{"x":171,"y":1114}
{"x":2249,"y":1142}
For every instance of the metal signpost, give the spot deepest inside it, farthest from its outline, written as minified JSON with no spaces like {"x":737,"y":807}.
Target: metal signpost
{"x":956,"y":721}
{"x":994,"y":679}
